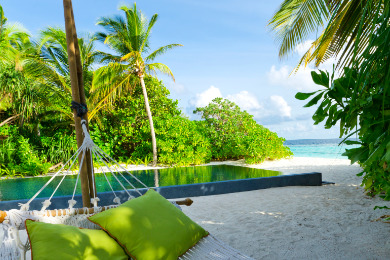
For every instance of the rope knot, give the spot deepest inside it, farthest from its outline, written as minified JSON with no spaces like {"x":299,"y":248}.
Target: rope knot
{"x":71,"y":203}
{"x":81,"y":109}
{"x":117,"y":200}
{"x":45,"y":204}
{"x":95,"y":201}
{"x":24,"y":207}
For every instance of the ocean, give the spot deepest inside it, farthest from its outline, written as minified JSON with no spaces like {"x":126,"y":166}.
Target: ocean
{"x":322,"y":148}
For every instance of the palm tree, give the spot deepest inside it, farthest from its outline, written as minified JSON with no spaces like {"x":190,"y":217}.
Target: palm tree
{"x":17,"y":89}
{"x":12,"y":37}
{"x":42,"y":73}
{"x":345,"y":28}
{"x":53,"y":53}
{"x":129,"y":38}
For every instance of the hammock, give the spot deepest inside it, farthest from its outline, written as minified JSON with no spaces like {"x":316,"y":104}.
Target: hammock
{"x":13,"y":220}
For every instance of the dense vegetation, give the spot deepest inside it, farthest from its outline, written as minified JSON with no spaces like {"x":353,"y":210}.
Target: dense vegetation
{"x":36,"y":122}
{"x":358,"y":33}
{"x":235,"y":134}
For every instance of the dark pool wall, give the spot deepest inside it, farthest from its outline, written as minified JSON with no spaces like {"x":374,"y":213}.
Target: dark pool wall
{"x":190,"y":190}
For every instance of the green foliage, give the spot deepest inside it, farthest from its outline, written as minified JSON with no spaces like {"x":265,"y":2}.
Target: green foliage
{"x":180,"y":142}
{"x":342,"y":27}
{"x":18,"y":158}
{"x":60,"y":146}
{"x":19,"y":95}
{"x":359,"y":100}
{"x":364,"y":114}
{"x":235,"y":134}
{"x":129,"y":38}
{"x":125,"y":131}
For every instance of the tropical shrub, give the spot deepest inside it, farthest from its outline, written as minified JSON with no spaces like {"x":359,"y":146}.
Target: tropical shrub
{"x":60,"y":146}
{"x":235,"y":134}
{"x":180,"y":142}
{"x":124,"y":133}
{"x":359,"y":99}
{"x":18,"y":158}
{"x":366,"y":114}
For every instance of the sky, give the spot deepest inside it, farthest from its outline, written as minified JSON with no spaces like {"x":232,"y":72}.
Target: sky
{"x":228,"y":51}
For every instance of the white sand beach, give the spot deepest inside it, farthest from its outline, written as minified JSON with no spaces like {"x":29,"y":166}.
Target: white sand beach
{"x":325,"y":222}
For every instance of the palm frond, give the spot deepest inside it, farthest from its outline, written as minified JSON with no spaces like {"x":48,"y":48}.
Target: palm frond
{"x":153,"y":68}
{"x":161,"y":51}
{"x":144,"y":43}
{"x":109,"y":78}
{"x":295,"y":20}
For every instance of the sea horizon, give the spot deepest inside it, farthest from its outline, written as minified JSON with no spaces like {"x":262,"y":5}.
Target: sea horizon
{"x":329,"y":148}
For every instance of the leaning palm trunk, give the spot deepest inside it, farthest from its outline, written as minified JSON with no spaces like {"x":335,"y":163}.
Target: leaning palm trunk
{"x":154,"y":144}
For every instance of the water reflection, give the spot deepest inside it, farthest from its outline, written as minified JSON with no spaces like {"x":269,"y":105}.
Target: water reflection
{"x":14,"y":189}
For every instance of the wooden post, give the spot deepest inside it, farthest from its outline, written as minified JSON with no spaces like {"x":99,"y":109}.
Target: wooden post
{"x":79,"y":66}
{"x":74,"y":80}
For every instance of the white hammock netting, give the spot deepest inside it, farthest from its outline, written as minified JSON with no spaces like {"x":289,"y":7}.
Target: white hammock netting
{"x":13,"y":248}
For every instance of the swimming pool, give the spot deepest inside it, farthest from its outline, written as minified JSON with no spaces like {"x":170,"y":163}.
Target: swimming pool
{"x":25,"y":188}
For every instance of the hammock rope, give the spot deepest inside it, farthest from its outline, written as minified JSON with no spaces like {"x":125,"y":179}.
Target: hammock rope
{"x":110,"y":166}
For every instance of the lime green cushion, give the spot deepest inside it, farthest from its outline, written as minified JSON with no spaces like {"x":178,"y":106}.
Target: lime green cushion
{"x":150,"y":227}
{"x":57,"y":241}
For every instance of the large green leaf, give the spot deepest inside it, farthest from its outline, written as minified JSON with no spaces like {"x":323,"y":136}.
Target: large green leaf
{"x":320,"y":78}
{"x":314,"y":100}
{"x":356,"y":154}
{"x":303,"y":96}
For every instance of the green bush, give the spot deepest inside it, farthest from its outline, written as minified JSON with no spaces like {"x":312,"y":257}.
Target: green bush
{"x":124,"y":133}
{"x":366,"y":114}
{"x":60,"y":146}
{"x":235,"y":134}
{"x":180,"y":142}
{"x":18,"y":158}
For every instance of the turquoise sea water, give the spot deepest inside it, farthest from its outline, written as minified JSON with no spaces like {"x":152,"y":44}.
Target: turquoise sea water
{"x":331,"y":151}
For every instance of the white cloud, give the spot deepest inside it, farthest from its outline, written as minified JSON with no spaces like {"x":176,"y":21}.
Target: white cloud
{"x":281,"y":106}
{"x":300,"y":80}
{"x":303,"y":47}
{"x":245,"y":100}
{"x":273,"y":109}
{"x":204,"y":98}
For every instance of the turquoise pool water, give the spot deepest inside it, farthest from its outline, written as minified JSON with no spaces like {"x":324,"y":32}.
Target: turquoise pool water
{"x":25,"y":188}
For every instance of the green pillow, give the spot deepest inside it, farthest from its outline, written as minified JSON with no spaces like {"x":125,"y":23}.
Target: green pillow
{"x":57,"y":241}
{"x":150,"y":227}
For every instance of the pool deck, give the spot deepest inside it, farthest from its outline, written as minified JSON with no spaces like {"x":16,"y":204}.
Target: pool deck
{"x":182,"y":191}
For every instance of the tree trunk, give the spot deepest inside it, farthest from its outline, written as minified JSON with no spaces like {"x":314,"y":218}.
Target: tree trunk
{"x":9,"y":119}
{"x":80,"y":80}
{"x":69,"y":27}
{"x":154,"y":144}
{"x":156,"y":179}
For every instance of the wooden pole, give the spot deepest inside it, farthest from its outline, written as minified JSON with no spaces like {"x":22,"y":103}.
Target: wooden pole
{"x":74,"y":80}
{"x":79,"y":66}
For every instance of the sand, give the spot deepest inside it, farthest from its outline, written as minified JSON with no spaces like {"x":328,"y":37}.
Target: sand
{"x":324,"y":222}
